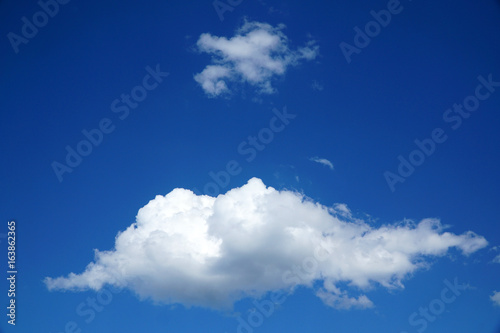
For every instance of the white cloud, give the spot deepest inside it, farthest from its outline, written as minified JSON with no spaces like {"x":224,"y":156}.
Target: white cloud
{"x":342,"y":210}
{"x":496,"y":295}
{"x":336,"y":298}
{"x":211,"y":79}
{"x":496,"y":298}
{"x":256,"y":55}
{"x":323,"y":161}
{"x":317,"y":86}
{"x":211,"y":252}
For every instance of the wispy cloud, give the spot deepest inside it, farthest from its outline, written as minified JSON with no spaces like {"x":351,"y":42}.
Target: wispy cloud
{"x":496,"y":298}
{"x":323,"y":161}
{"x":256,"y":54}
{"x":496,"y":260}
{"x":206,"y":251}
{"x":317,"y":86}
{"x":496,"y":295}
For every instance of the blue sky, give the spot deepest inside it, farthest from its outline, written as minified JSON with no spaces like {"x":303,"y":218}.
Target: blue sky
{"x":317,"y":145}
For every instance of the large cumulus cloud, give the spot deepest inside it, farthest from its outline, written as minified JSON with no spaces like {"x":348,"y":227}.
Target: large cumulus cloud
{"x":205,"y":251}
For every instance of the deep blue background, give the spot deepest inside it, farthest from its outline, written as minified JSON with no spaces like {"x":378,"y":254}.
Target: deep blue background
{"x":370,"y":111}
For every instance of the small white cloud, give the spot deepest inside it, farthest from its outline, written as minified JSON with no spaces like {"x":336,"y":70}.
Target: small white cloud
{"x":496,"y":260}
{"x":336,"y":298}
{"x":323,"y":161}
{"x":496,"y":298}
{"x":342,"y":209}
{"x":213,"y":251}
{"x":212,"y":79}
{"x":317,"y":86}
{"x":256,"y":55}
